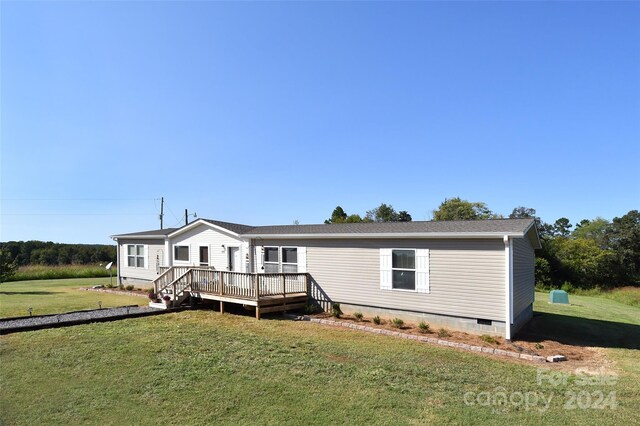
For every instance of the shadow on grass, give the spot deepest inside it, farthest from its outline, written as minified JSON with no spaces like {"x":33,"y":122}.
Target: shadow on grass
{"x":33,"y":293}
{"x":581,"y":331}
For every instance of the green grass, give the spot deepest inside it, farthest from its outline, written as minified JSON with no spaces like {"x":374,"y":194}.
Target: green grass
{"x":594,"y":321}
{"x":200,"y":367}
{"x":47,"y":272}
{"x":55,"y":296}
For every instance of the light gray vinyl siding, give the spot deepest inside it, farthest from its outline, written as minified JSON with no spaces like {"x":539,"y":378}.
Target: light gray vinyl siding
{"x":523,"y":275}
{"x":466,"y":276}
{"x":154,"y":258}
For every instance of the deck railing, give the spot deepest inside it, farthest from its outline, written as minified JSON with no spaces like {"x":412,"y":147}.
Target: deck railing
{"x":233,"y":284}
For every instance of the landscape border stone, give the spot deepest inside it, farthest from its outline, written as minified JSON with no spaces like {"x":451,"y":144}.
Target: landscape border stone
{"x":425,"y":339}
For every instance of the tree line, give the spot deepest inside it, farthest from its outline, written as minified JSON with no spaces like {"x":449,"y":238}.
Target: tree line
{"x":593,"y":253}
{"x":23,"y":253}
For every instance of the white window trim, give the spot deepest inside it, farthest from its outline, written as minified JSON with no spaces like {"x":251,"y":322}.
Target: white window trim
{"x":188,"y":246}
{"x":421,"y":270}
{"x":144,"y":256}
{"x":265,"y":262}
{"x":299,"y":251}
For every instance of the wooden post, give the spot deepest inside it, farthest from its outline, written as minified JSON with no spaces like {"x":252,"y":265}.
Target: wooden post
{"x":221,"y":307}
{"x":307,"y":286}
{"x":256,"y":285}
{"x":284,"y":291}
{"x":258,"y":311}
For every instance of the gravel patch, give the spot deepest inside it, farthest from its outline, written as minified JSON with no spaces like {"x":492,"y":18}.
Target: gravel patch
{"x":73,"y":318}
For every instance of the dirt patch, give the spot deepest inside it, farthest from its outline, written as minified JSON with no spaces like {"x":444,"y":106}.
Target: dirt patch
{"x":591,"y":358}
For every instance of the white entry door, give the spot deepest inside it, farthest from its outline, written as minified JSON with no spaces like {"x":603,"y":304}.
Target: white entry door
{"x":234,"y":259}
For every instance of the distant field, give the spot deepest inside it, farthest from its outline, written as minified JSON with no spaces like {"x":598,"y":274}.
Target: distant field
{"x":55,"y":296}
{"x":201,"y":367}
{"x":48,"y":272}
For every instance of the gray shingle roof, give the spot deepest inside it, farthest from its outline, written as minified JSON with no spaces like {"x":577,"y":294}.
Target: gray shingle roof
{"x":233,"y":227}
{"x":465,"y":226}
{"x":153,"y":233}
{"x":490,"y":226}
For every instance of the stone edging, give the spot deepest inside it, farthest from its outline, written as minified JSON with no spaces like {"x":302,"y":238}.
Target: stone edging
{"x":121,"y":292}
{"x":433,"y":340}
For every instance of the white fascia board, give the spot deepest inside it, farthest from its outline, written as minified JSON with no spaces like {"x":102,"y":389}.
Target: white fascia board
{"x":137,"y":237}
{"x":535,"y":229}
{"x":202,"y":222}
{"x":438,"y":235}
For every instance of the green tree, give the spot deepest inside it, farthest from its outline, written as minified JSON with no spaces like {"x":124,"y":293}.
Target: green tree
{"x":522,"y":213}
{"x":8,"y":266}
{"x":353,"y":218}
{"x":562,"y":227}
{"x":382,"y":213}
{"x":337,"y":216}
{"x":459,"y":209}
{"x":404,"y":216}
{"x":595,"y":229}
{"x":623,"y":238}
{"x":582,"y":263}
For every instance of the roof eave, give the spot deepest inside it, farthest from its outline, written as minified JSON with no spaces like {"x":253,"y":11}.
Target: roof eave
{"x":434,"y":235}
{"x":132,"y":237}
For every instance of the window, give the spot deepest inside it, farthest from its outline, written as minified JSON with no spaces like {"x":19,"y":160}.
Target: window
{"x":280,"y":259}
{"x":403,"y":267}
{"x":181,"y":253}
{"x":271,"y":260}
{"x":289,"y":259}
{"x":135,"y":256}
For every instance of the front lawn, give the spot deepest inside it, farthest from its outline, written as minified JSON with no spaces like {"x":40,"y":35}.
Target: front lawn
{"x":201,"y":367}
{"x":56,"y":296}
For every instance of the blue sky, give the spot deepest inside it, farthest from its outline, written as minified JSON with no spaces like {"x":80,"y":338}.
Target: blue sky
{"x":270,"y":112}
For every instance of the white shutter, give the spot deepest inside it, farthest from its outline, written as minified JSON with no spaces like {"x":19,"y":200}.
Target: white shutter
{"x":259,"y":259}
{"x":146,"y":256}
{"x":302,"y":260}
{"x":385,"y":269}
{"x":422,"y":270}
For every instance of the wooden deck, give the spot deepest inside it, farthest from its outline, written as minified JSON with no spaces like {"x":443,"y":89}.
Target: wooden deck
{"x":266,"y":292}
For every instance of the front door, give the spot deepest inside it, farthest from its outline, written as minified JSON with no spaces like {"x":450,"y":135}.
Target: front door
{"x":204,"y":256}
{"x":234,"y":259}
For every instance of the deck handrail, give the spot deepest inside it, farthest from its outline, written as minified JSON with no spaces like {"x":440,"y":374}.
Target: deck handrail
{"x":233,"y":284}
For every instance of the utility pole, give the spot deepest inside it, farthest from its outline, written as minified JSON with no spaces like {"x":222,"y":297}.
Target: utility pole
{"x":186,"y":217}
{"x":161,"y":212}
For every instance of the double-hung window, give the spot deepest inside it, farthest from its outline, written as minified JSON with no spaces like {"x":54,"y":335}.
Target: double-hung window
{"x":404,"y":269}
{"x":271,"y":260}
{"x":135,"y":256}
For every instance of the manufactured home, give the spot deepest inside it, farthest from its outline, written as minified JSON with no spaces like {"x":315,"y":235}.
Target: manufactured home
{"x":475,"y":276}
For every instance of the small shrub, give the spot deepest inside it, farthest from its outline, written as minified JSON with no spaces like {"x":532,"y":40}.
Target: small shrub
{"x":489,"y":339}
{"x":567,"y":287}
{"x":311,"y":309}
{"x":376,"y":320}
{"x":110,"y":285}
{"x":397,"y":323}
{"x":539,"y":346}
{"x":443,"y":333}
{"x":424,"y":327}
{"x":336,"y":312}
{"x":153,"y":296}
{"x":129,"y":288}
{"x":358,"y":316}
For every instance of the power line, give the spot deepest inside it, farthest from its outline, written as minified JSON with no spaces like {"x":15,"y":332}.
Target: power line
{"x":77,"y":214}
{"x":79,"y":199}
